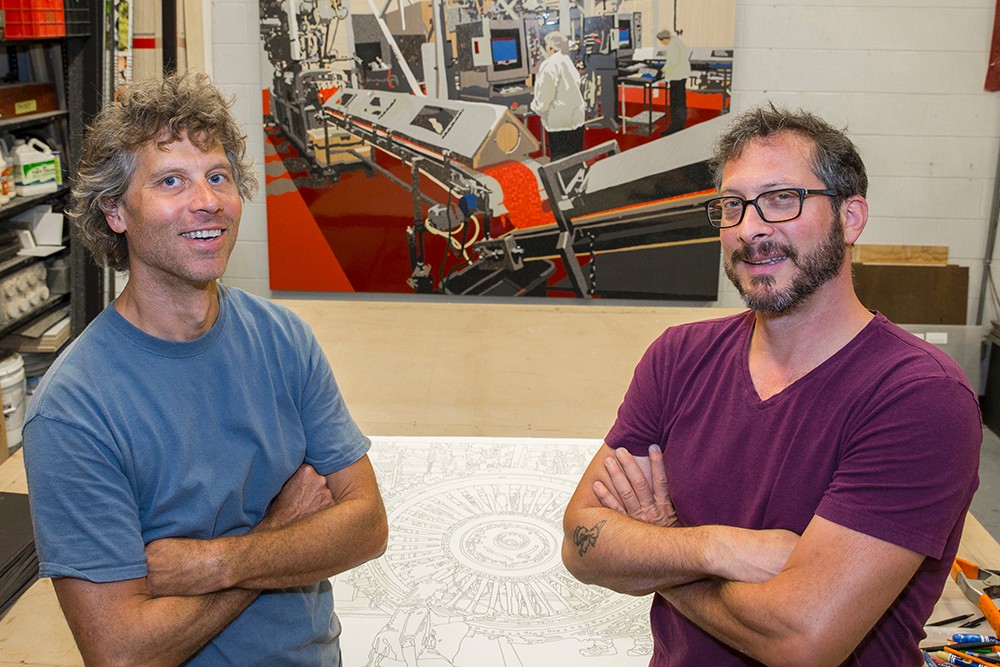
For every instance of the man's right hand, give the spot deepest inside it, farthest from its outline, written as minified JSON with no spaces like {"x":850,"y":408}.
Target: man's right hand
{"x":305,"y":493}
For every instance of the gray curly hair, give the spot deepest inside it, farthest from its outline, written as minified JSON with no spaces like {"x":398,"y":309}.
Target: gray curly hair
{"x":161,"y":111}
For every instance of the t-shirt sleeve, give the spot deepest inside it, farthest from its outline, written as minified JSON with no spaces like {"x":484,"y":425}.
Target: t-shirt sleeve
{"x":910,"y":467}
{"x":640,"y":415}
{"x":333,"y":439}
{"x":84,"y":512}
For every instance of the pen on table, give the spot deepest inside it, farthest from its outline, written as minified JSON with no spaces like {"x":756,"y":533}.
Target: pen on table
{"x":967,"y":657}
{"x":948,"y":621}
{"x":961,"y":646}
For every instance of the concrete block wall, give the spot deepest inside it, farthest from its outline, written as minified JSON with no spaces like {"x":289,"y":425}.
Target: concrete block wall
{"x":236,"y":69}
{"x":905,"y":76}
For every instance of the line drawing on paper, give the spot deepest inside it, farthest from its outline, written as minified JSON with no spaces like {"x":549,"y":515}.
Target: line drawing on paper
{"x":472,"y":576}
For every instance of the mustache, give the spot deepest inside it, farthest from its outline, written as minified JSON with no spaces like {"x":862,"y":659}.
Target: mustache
{"x":763,"y":249}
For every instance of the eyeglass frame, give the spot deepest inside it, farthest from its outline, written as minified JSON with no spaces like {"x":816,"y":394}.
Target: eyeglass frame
{"x":802,"y":192}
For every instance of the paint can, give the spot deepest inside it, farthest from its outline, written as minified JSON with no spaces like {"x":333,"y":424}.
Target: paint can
{"x":13,"y":385}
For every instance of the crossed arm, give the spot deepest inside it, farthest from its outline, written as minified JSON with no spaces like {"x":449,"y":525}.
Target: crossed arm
{"x":315,"y":528}
{"x":779,"y":598}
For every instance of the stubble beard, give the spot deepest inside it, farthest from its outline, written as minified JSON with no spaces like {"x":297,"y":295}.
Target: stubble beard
{"x":816,"y":268}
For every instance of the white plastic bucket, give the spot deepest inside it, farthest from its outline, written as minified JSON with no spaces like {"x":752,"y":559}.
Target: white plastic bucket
{"x":12,"y":384}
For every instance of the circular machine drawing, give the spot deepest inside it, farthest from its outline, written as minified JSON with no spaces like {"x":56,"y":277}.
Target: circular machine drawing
{"x":484,"y":550}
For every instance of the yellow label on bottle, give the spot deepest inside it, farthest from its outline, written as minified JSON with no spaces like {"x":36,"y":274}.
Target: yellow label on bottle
{"x":27,"y":106}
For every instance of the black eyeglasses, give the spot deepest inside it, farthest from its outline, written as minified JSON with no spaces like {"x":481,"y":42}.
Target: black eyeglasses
{"x":772,"y":206}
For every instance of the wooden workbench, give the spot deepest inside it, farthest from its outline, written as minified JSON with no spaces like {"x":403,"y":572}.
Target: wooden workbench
{"x":499,"y":369}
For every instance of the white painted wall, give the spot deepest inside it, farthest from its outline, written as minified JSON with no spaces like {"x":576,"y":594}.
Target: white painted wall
{"x":905,"y":76}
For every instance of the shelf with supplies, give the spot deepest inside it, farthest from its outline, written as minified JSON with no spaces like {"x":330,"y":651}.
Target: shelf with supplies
{"x":50,"y":83}
{"x":19,"y":205}
{"x":49,"y":307}
{"x":31,"y":120}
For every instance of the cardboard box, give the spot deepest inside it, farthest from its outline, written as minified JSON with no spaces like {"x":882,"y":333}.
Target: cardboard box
{"x":23,"y":99}
{"x":339,"y":143}
{"x":320,"y":137}
{"x":914,"y":294}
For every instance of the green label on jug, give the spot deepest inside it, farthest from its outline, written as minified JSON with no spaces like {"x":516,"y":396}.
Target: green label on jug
{"x":38,"y":172}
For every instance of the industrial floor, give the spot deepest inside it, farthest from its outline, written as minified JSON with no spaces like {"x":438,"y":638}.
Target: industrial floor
{"x":986,"y":503}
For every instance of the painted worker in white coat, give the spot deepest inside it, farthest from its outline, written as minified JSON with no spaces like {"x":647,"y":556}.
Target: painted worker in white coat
{"x":676,"y":70}
{"x":558,"y":99}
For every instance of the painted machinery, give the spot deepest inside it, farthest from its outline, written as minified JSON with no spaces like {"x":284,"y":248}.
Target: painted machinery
{"x":624,"y":217}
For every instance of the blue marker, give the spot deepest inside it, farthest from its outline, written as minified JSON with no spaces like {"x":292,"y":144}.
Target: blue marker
{"x":968,"y":639}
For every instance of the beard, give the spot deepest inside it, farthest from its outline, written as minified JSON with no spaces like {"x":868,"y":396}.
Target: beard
{"x":815,"y":268}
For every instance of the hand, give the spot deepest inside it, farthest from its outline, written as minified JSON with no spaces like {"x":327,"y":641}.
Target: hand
{"x":641,"y":495}
{"x":304,"y":494}
{"x":180,"y":566}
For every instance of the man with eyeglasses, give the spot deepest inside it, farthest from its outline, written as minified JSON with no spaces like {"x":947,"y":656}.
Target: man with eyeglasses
{"x":791,"y":481}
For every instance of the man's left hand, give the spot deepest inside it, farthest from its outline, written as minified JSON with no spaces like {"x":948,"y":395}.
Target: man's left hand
{"x":641,"y":494}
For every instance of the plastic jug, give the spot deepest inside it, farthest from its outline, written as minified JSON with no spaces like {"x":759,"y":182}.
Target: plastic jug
{"x":4,"y":197}
{"x":36,"y":169}
{"x":6,"y":174}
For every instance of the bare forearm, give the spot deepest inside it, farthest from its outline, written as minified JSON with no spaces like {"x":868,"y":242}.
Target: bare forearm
{"x":635,"y":557}
{"x":146,"y":631}
{"x":316,"y":527}
{"x":604,"y":547}
{"x":741,"y":615}
{"x":622,"y":532}
{"x":317,"y":547}
{"x":178,"y":630}
{"x":833,"y":590}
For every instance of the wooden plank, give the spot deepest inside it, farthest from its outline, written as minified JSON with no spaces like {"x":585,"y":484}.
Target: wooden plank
{"x":921,"y":255}
{"x":194,"y":35}
{"x":911,"y":294}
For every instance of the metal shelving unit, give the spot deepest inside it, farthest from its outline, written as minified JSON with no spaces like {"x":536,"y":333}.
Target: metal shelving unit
{"x":79,"y":57}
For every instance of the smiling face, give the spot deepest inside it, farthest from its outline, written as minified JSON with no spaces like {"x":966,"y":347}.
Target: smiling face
{"x":180,"y":215}
{"x":778,"y":266}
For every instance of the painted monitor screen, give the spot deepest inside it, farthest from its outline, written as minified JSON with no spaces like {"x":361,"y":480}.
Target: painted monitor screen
{"x":506,"y":45}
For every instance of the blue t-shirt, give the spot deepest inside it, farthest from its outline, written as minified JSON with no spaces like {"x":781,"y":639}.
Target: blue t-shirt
{"x":131,"y":438}
{"x":882,"y":438}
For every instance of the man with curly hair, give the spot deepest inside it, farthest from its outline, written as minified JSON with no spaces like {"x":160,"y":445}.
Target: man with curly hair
{"x":194,"y":474}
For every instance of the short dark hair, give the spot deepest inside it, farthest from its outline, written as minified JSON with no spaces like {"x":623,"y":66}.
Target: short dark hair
{"x":148,"y":111}
{"x":835,"y":159}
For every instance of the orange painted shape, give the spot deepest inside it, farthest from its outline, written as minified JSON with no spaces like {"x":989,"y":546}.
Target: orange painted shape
{"x":520,"y":195}
{"x":299,"y":258}
{"x":326,"y":93}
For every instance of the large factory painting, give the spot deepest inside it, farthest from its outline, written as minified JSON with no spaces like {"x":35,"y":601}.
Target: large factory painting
{"x":494,"y":147}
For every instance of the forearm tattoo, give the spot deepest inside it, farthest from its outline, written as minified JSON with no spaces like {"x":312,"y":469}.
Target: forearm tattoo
{"x":584,"y":539}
